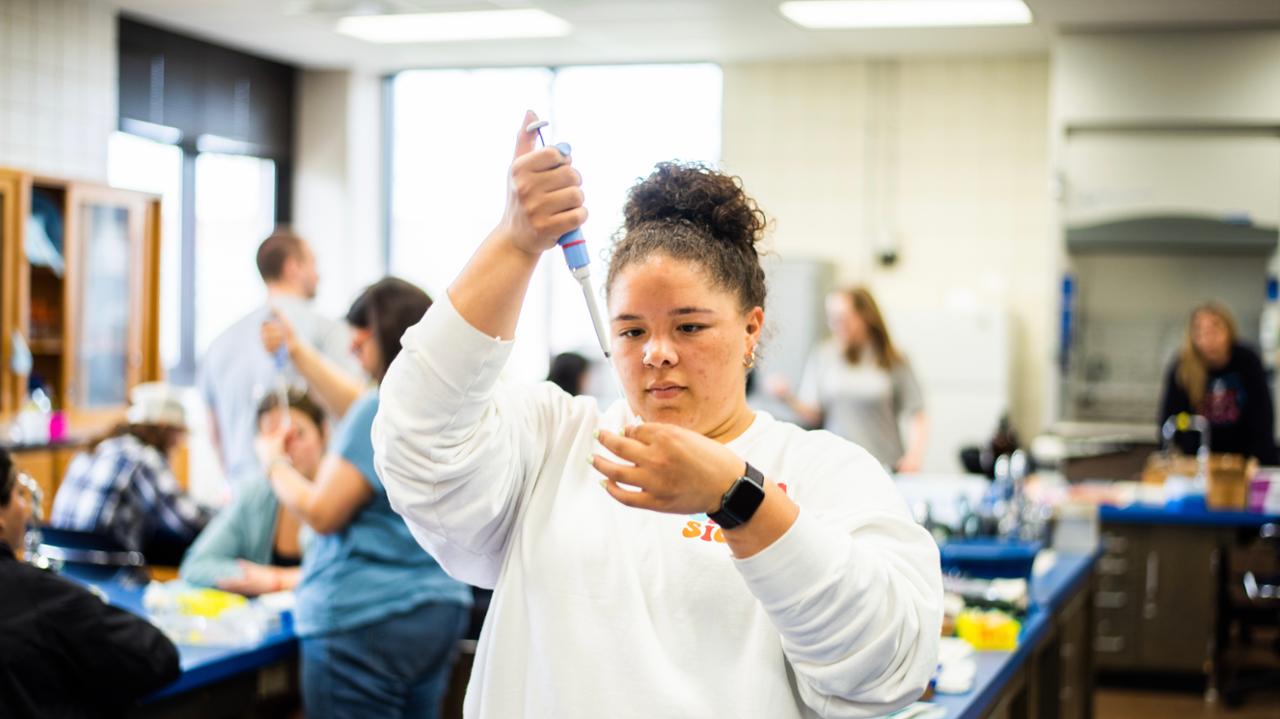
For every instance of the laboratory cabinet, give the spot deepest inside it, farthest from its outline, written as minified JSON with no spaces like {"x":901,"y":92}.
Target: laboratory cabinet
{"x":79,"y":286}
{"x":1154,"y":608}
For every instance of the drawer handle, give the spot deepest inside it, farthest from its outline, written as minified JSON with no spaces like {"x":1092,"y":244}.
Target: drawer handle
{"x":1110,"y":600}
{"x":1111,"y":645}
{"x":1115,"y":544}
{"x":1149,"y":607}
{"x":1113,"y":566}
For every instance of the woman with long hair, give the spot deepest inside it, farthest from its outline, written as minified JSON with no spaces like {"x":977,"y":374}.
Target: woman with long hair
{"x":367,"y":587}
{"x":859,"y":385}
{"x":1221,"y":379}
{"x":678,"y":554}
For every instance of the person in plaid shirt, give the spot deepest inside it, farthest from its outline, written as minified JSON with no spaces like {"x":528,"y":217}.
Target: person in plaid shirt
{"x":124,"y":488}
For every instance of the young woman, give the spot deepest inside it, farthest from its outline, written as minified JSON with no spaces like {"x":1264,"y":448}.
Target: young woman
{"x":254,"y":546}
{"x":859,"y":384}
{"x":1216,"y":376}
{"x":379,"y":619}
{"x":706,"y":561}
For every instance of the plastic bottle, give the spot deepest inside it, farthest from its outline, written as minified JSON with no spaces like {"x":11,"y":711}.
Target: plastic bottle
{"x":1269,"y":331}
{"x":33,"y":419}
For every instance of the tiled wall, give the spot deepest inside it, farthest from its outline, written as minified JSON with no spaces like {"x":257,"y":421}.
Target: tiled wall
{"x":57,"y":86}
{"x":947,"y":157}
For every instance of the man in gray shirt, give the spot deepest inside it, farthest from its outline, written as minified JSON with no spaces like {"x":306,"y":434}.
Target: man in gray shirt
{"x":236,"y":371}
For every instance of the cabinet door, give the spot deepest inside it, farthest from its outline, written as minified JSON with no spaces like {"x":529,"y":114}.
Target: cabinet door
{"x":108,"y":297}
{"x":12,"y":210}
{"x":1177,"y":602}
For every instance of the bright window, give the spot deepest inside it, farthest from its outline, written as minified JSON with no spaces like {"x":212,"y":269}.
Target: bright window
{"x":136,"y":163}
{"x":453,"y":132}
{"x":235,"y":211}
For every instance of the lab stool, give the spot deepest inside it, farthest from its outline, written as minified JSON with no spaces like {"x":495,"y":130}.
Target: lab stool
{"x":1248,"y":606}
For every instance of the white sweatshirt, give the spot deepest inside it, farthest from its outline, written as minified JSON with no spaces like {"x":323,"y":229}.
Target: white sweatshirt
{"x":601,"y":610}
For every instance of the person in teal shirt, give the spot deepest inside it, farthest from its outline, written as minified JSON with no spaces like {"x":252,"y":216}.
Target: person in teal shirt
{"x":254,"y":545}
{"x":379,"y":620}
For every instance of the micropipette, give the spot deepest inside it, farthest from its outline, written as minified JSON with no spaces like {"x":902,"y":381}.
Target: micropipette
{"x":282,"y":386}
{"x":574,"y":245}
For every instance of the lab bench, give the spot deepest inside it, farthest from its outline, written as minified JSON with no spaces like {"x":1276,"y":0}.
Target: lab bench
{"x":1156,"y":600}
{"x":1050,"y":674}
{"x":245,"y":681}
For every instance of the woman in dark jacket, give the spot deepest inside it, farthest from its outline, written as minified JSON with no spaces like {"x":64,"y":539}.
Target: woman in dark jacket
{"x":1219,"y":378}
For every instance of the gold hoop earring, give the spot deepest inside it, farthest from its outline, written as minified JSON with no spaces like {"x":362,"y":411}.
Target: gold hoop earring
{"x":750,"y":360}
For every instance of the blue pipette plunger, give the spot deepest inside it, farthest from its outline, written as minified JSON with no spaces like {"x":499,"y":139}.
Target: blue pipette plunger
{"x":574,"y":245}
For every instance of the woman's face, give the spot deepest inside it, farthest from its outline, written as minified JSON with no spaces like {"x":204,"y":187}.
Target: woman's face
{"x":14,"y":517}
{"x":365,"y":349}
{"x":845,"y":322}
{"x":305,"y":445}
{"x":1211,"y":338}
{"x":679,"y":344}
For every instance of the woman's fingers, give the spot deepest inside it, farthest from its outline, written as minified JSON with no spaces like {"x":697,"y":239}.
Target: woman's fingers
{"x":624,"y":473}
{"x":564,"y":222}
{"x":624,"y":447}
{"x":646,"y":432}
{"x":638,"y":500}
{"x":540,"y":161}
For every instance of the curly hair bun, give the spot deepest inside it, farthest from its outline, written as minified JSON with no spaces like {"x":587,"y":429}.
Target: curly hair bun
{"x":693,"y":193}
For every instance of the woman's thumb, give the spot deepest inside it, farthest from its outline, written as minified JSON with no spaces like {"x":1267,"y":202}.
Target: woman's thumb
{"x":525,"y":140}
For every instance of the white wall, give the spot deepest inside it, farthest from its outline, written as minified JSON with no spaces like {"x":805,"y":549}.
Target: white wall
{"x":57,"y":86}
{"x":338,"y":182}
{"x":947,"y":157}
{"x":1189,"y":77}
{"x":1222,"y":86}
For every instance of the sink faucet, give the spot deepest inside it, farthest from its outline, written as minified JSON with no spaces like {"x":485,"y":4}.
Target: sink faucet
{"x":1182,"y":422}
{"x":32,"y":539}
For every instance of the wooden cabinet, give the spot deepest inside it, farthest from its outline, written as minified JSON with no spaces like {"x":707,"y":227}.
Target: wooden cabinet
{"x":1154,"y":609}
{"x":80,"y":293}
{"x":42,"y":466}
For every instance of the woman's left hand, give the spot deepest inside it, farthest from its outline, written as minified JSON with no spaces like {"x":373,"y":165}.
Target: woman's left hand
{"x":677,"y":470}
{"x":254,"y":579}
{"x":271,"y":445}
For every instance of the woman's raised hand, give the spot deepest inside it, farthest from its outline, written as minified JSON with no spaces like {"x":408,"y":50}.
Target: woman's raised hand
{"x":544,"y":194}
{"x":277,"y":333}
{"x":676,"y":470}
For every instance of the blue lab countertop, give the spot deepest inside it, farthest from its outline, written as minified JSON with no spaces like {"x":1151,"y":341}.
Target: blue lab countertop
{"x":1189,"y":514}
{"x":201,"y":666}
{"x":994,"y":669}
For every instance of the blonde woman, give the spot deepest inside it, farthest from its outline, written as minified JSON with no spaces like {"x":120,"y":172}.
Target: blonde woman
{"x":1216,"y":376}
{"x":859,"y":385}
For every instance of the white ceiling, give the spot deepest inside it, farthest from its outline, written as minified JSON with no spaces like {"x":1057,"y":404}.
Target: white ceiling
{"x":613,"y":31}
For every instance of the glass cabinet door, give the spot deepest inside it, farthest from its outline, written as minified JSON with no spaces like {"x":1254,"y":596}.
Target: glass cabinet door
{"x":103,"y":341}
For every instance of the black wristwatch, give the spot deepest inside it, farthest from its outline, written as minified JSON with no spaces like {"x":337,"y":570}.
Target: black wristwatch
{"x":740,"y":503}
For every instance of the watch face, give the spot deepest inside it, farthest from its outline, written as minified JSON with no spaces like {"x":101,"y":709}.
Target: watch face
{"x":743,"y":499}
